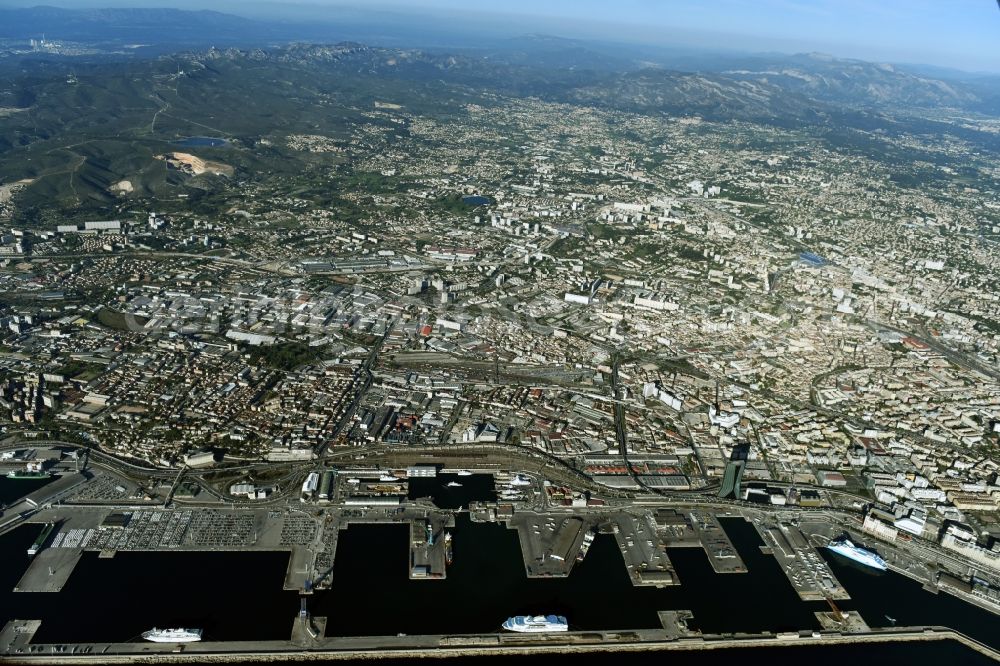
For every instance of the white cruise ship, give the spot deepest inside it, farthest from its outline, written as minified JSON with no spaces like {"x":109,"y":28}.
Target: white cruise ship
{"x":172,"y":635}
{"x":844,"y":546}
{"x":537,"y":624}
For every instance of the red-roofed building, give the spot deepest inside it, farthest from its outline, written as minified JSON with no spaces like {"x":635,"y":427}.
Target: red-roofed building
{"x":915,"y":345}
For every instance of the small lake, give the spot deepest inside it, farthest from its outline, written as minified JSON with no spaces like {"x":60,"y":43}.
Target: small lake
{"x":201,"y":141}
{"x":476,"y":200}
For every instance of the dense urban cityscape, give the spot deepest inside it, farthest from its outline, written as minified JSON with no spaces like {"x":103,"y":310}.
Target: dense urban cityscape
{"x":569,"y":316}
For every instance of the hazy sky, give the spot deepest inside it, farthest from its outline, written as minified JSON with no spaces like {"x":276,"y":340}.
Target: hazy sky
{"x":958,"y":33}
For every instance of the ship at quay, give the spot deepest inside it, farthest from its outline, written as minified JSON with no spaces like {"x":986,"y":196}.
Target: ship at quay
{"x":847,"y":548}
{"x":536,"y":624}
{"x":172,"y":635}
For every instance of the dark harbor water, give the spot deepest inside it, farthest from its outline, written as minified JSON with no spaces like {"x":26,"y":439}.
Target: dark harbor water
{"x":486,"y":584}
{"x":474,"y":488}
{"x":239,"y":595}
{"x":230,"y":595}
{"x":15,"y":489}
{"x":200,"y":141}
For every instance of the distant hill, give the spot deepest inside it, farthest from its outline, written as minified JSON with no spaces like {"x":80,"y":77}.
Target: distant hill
{"x":79,"y":128}
{"x":855,"y":82}
{"x":759,"y":87}
{"x":157,"y":26}
{"x":744,"y":84}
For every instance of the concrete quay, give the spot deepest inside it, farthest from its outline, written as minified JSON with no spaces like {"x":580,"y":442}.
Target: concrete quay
{"x":301,"y":565}
{"x":848,"y":622}
{"x":675,"y":623}
{"x":645,"y":553}
{"x":809,"y":574}
{"x":720,"y":550}
{"x":325,"y":556}
{"x":429,"y":546}
{"x":49,"y":570}
{"x":910,"y":563}
{"x":17,"y":648}
{"x":549,"y":543}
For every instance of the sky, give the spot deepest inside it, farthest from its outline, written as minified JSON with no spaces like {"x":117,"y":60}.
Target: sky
{"x":963,"y":34}
{"x":956,"y":33}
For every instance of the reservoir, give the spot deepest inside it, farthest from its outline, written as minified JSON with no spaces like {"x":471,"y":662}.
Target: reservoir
{"x":476,"y":200}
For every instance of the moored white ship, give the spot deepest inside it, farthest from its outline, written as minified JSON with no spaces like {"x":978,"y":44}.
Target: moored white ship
{"x":844,"y":546}
{"x":588,"y":540}
{"x":172,"y":635}
{"x":536,"y":624}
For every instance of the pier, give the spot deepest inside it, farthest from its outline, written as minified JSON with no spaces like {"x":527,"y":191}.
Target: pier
{"x":720,"y":550}
{"x":549,"y":544}
{"x":49,"y":570}
{"x":301,"y":564}
{"x":644,"y":552}
{"x":429,"y":546}
{"x":805,"y":569}
{"x":551,"y":537}
{"x":16,"y":637}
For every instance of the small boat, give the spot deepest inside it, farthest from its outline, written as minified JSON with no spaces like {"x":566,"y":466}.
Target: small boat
{"x":464,"y":472}
{"x":453,"y":484}
{"x":387,"y":477}
{"x":891,"y":620}
{"x":354,"y":482}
